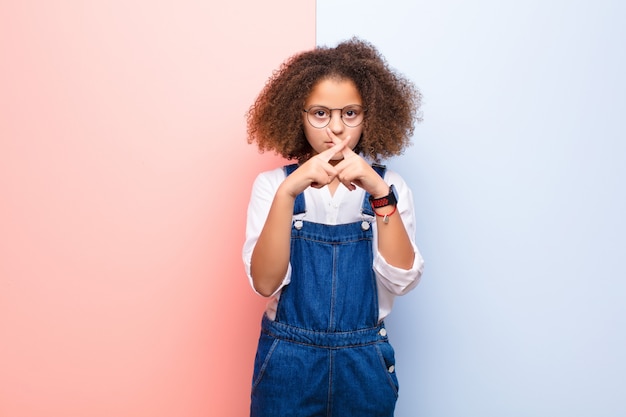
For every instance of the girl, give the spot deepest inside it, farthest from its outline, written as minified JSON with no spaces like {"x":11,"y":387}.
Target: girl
{"x":330,"y":239}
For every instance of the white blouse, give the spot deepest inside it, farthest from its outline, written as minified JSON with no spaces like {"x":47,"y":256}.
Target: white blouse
{"x":342,"y":207}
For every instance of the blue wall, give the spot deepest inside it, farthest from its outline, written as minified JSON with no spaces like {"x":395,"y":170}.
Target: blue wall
{"x":518,"y":174}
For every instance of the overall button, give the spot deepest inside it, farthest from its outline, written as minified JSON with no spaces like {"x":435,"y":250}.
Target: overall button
{"x":391,"y":369}
{"x":382,"y":332}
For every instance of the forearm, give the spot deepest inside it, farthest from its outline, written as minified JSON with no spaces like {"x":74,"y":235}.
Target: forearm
{"x":270,"y":257}
{"x":393,"y":240}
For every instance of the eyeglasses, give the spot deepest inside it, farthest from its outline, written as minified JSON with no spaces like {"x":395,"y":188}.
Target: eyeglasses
{"x":319,"y":117}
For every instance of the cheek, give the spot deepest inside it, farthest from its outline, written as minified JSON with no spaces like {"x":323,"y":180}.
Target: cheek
{"x":356,"y":137}
{"x":309,"y":133}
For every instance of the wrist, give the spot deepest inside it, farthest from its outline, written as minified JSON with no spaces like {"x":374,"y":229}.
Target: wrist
{"x":385,"y":212}
{"x":381,"y":192}
{"x":283,"y":192}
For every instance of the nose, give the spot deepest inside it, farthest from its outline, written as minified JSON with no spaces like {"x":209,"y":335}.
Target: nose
{"x":336,"y":124}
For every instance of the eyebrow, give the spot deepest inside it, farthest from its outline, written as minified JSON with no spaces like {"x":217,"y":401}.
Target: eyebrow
{"x":335,"y":108}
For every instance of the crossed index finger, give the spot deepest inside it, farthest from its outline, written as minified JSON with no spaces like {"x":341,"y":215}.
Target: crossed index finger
{"x":330,"y":152}
{"x":346,"y":151}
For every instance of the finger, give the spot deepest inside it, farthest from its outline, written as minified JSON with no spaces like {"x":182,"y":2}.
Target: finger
{"x":346,"y":151}
{"x":348,"y":184}
{"x":317,"y":184}
{"x":329,"y":153}
{"x":332,"y":136}
{"x":344,"y":175}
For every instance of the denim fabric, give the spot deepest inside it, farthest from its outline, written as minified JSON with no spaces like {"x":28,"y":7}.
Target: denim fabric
{"x":326,"y":354}
{"x":334,"y":289}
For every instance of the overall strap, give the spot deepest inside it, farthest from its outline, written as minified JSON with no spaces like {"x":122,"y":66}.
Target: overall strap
{"x":299,"y":205}
{"x":367,"y":207}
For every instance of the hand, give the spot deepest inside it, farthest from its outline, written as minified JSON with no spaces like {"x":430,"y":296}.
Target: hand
{"x":354,"y":171}
{"x":317,"y":172}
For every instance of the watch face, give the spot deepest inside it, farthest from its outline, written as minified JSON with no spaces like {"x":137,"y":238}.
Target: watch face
{"x":393,"y":191}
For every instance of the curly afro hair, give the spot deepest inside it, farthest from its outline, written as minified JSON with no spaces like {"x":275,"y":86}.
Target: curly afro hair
{"x":392,"y":102}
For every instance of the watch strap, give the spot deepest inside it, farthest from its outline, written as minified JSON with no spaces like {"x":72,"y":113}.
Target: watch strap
{"x":388,"y":200}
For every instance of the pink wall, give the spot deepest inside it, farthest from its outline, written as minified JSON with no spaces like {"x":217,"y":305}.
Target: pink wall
{"x":122,"y":291}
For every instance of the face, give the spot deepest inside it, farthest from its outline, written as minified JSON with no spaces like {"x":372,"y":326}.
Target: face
{"x":332,"y":94}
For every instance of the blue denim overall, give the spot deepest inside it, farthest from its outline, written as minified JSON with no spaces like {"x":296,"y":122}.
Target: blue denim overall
{"x":325,"y":354}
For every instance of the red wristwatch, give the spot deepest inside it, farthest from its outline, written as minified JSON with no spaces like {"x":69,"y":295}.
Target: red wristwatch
{"x":390,"y":199}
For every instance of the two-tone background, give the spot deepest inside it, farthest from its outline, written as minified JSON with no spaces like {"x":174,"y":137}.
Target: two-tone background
{"x":125,"y":175}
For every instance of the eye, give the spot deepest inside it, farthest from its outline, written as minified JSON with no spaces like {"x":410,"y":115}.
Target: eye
{"x":351,"y":112}
{"x":319,"y":112}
